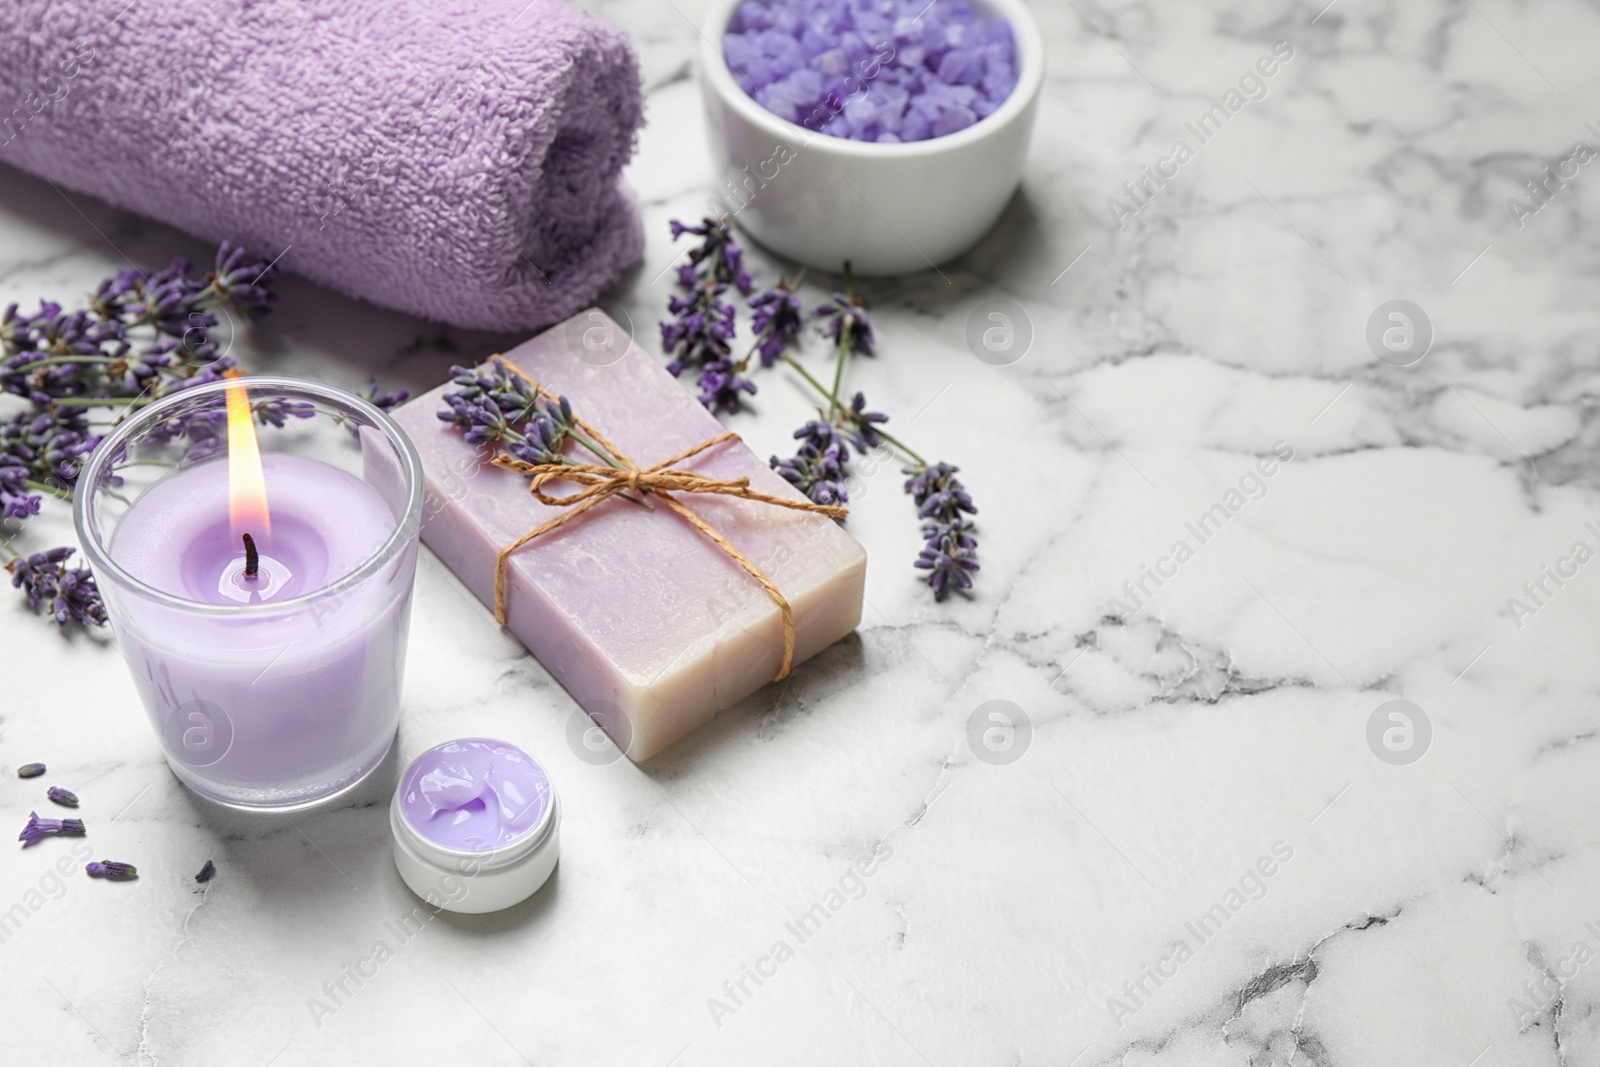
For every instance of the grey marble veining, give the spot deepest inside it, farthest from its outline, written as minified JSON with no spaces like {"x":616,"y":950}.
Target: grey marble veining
{"x":1200,"y":857}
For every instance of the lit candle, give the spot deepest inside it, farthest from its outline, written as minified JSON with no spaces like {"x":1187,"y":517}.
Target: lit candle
{"x":261,"y":600}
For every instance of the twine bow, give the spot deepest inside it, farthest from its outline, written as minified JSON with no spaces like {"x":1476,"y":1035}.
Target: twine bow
{"x":601,"y":482}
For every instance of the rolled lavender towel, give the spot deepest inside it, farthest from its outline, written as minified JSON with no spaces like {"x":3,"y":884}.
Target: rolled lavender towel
{"x":456,"y":159}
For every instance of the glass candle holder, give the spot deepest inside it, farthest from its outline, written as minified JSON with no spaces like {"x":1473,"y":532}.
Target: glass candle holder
{"x":270,"y":666}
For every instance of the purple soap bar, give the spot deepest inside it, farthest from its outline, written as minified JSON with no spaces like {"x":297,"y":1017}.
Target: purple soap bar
{"x":648,"y":624}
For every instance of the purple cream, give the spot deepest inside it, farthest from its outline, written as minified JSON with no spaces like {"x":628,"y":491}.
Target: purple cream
{"x":873,"y":70}
{"x":475,"y":794}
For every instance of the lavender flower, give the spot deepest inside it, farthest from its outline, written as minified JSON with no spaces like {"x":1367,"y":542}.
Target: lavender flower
{"x":859,"y":423}
{"x":111,"y":870}
{"x":384,"y":401}
{"x":492,"y":383}
{"x":49,"y":445}
{"x":140,"y":336}
{"x":166,"y":300}
{"x":38,"y":829}
{"x":949,"y":552}
{"x":845,"y":322}
{"x":701,"y":331}
{"x":139,"y":373}
{"x":541,"y":441}
{"x":703,"y":324}
{"x":716,"y":257}
{"x":30,"y":770}
{"x":69,"y":595}
{"x":61,"y":454}
{"x":777,"y":318}
{"x":819,"y":468}
{"x":113,"y":297}
{"x":16,"y":500}
{"x":238,"y":280}
{"x":722,"y":388}
{"x":480,"y":420}
{"x":62,"y":796}
{"x":208,"y":872}
{"x":276,"y":411}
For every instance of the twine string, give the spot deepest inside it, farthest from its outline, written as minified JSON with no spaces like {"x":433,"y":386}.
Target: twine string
{"x":598,"y":483}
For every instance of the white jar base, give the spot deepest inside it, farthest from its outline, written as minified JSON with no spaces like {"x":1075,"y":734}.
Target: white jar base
{"x":472,"y":885}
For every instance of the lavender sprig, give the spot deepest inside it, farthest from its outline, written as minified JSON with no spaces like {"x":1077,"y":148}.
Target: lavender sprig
{"x":845,"y":322}
{"x":38,"y":829}
{"x":699,"y":335}
{"x":67,"y":595}
{"x":820,"y":467}
{"x":141,"y":336}
{"x":703,"y":323}
{"x":383,"y":401}
{"x":16,"y":499}
{"x":111,"y":870}
{"x":950,"y":551}
{"x":495,"y":406}
{"x":862,"y":426}
{"x":716,"y":258}
{"x":777,"y":318}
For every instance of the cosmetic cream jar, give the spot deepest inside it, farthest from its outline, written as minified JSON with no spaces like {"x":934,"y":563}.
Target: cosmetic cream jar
{"x":476,"y":825}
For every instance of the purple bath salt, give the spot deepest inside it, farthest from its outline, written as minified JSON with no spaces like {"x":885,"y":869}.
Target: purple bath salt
{"x":873,"y":70}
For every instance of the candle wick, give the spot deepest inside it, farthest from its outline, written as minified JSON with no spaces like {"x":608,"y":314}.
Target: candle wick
{"x":252,"y":559}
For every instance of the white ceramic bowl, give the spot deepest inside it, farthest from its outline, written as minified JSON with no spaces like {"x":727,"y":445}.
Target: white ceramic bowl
{"x":887,"y":208}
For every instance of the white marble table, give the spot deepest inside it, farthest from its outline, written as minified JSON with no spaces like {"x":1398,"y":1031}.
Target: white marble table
{"x":1099,"y":900}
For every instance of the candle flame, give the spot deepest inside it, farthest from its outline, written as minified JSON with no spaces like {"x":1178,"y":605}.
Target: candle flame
{"x":247,"y":484}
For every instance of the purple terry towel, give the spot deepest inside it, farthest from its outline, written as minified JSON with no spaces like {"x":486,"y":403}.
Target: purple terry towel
{"x":456,"y":159}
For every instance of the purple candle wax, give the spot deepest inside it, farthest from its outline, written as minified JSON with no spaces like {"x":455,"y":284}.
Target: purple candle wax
{"x":475,"y":794}
{"x":325,"y":523}
{"x":266,"y":690}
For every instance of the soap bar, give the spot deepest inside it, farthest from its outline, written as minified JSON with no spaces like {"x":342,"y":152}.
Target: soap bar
{"x":648,"y":625}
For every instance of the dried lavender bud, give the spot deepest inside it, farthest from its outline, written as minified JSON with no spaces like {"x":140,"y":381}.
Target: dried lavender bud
{"x":949,"y":552}
{"x":479,"y":419}
{"x":845,"y":321}
{"x":141,"y":336}
{"x":819,"y":469}
{"x":384,"y":401}
{"x":17,"y":501}
{"x":777,"y":318}
{"x":722,"y":387}
{"x":112,"y":871}
{"x":276,"y":411}
{"x":30,"y":770}
{"x":860,"y":424}
{"x":62,"y":796}
{"x":703,"y":325}
{"x":68,"y":595}
{"x":239,"y":282}
{"x":208,"y":872}
{"x":38,"y":829}
{"x":715,"y":259}
{"x":542,"y":441}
